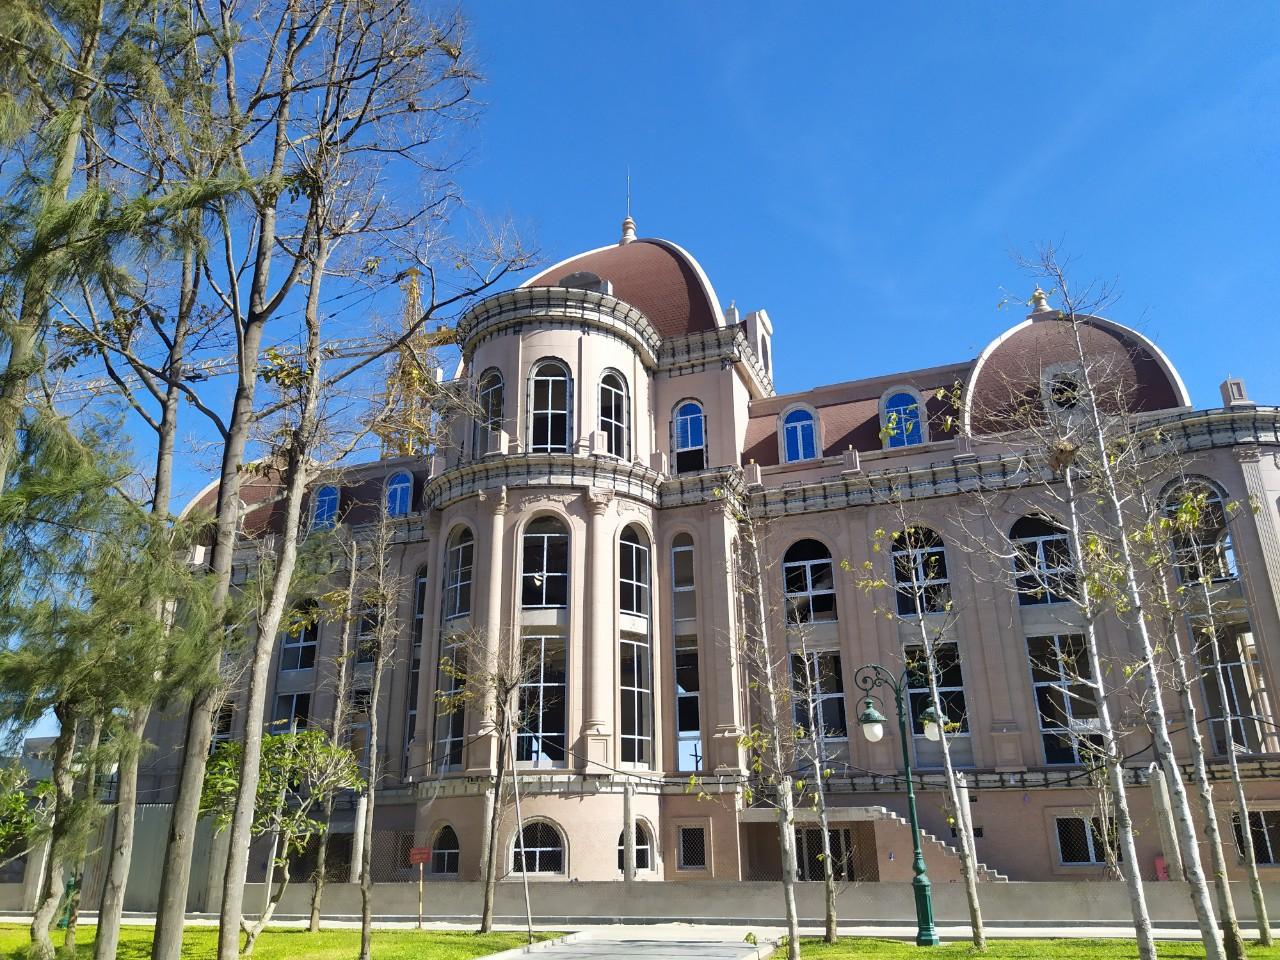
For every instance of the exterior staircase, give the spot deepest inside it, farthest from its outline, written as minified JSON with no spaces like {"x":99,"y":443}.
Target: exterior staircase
{"x":985,"y":873}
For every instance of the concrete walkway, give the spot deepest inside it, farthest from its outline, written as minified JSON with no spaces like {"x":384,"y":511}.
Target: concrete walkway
{"x":650,"y":942}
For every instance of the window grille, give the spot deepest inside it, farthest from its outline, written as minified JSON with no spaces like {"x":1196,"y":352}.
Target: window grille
{"x":543,"y":849}
{"x":541,"y":739}
{"x":1264,"y":831}
{"x":809,"y":584}
{"x":692,"y":848}
{"x":1065,"y":702}
{"x":1083,"y":840}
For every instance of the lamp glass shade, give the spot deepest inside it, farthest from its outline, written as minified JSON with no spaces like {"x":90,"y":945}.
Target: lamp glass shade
{"x":873,"y":731}
{"x":932,"y":731}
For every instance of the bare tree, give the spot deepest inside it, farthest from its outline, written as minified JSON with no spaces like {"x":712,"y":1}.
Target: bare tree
{"x":811,"y":681}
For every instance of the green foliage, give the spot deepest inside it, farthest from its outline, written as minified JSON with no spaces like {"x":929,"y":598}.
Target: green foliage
{"x":25,"y":810}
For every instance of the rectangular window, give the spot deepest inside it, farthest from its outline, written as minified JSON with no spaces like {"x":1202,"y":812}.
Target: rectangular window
{"x":298,"y":649}
{"x":823,"y":683}
{"x":1237,"y":659}
{"x":844,"y":865}
{"x":689,"y":435}
{"x":223,"y":725}
{"x":545,"y":571}
{"x":636,"y":699}
{"x":692,"y":848}
{"x":1264,"y":831}
{"x":1065,"y":700}
{"x":450,"y":719}
{"x":633,"y":578}
{"x":457,"y":585}
{"x":292,"y":712}
{"x":541,"y":740}
{"x":1082,"y":841}
{"x":411,"y":713}
{"x":1043,"y":569}
{"x":688,"y":692}
{"x":419,"y":608}
{"x":946,"y":659}
{"x":810,"y":590}
{"x":684,"y":595}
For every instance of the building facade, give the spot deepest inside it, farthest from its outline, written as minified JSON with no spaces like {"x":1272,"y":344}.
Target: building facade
{"x":583,"y":511}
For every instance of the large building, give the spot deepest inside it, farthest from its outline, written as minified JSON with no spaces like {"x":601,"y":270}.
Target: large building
{"x":582,"y":512}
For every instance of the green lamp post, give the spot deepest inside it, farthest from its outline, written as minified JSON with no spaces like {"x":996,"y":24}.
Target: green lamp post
{"x":872,"y":721}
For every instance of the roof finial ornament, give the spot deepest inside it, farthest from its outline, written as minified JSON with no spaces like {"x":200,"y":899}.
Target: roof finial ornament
{"x":628,"y":225}
{"x":1040,"y":301}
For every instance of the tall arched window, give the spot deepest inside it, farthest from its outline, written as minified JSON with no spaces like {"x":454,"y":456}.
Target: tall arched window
{"x":542,"y":737}
{"x":635,"y":667}
{"x":542,"y":846}
{"x":399,"y":494}
{"x":900,"y":421}
{"x":550,"y":410}
{"x":615,"y":414}
{"x":444,"y":853}
{"x":415,"y":663}
{"x":1202,"y":545}
{"x":458,"y":572}
{"x":488,"y":422}
{"x":684,"y":606}
{"x":809,"y":582}
{"x":689,"y":437}
{"x":1041,"y":562}
{"x":545,"y":575}
{"x":324,"y":511}
{"x":920,"y":572}
{"x":799,"y":436}
{"x":644,"y":848}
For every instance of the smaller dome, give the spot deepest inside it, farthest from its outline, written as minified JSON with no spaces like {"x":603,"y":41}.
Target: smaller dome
{"x":658,"y":278}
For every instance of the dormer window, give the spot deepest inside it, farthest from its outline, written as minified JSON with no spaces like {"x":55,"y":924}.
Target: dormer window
{"x":901,"y":423}
{"x":689,"y":437}
{"x":324,"y":513}
{"x":551,"y":416}
{"x":799,"y":436}
{"x":399,"y":494}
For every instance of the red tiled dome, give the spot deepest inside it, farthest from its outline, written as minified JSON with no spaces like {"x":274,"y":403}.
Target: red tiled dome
{"x":657,"y":278}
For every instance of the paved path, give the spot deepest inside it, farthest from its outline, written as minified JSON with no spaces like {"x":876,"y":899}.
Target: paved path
{"x":656,"y":942}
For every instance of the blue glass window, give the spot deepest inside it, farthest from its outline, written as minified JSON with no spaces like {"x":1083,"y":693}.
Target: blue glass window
{"x":325,"y":514}
{"x":799,"y":436}
{"x":902,"y":420}
{"x":399,"y":494}
{"x":690,"y":437}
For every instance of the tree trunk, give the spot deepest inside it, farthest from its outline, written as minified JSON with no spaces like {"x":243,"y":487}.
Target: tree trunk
{"x":820,"y":786}
{"x":491,"y":860}
{"x":64,"y":794}
{"x":111,"y":906}
{"x":254,"y":930}
{"x":322,"y":864}
{"x":375,"y":772}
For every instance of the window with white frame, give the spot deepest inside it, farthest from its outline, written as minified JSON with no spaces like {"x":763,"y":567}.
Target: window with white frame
{"x":542,"y":848}
{"x":615,"y":414}
{"x":689,"y":437}
{"x":545,"y":564}
{"x":809,"y":583}
{"x":684,"y":604}
{"x":1066,"y":702}
{"x":541,"y":739}
{"x":1202,"y":546}
{"x":550,"y":410}
{"x":644,"y":849}
{"x":1042,"y":564}
{"x":1229,"y":649}
{"x":816,"y":679}
{"x":901,"y":424}
{"x":458,"y":571}
{"x":415,"y":663}
{"x":420,"y":606}
{"x":633,"y":573}
{"x":1082,"y":841}
{"x":292,"y":712}
{"x":684,"y":594}
{"x":488,"y":421}
{"x":950,"y":680}
{"x":445,"y":852}
{"x":799,"y":436}
{"x":399,"y":494}
{"x":1264,"y":832}
{"x":298,"y":647}
{"x":324,"y":508}
{"x":223,"y":724}
{"x":920,"y":572}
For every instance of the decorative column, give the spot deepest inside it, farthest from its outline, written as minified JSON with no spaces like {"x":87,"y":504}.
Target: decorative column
{"x":597,"y":726}
{"x":484,"y":753}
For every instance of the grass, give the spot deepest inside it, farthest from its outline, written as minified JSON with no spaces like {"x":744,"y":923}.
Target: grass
{"x":201,"y":943}
{"x":850,"y":947}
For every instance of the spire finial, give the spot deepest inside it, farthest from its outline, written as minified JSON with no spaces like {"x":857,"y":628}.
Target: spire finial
{"x":1040,"y":301}
{"x":628,"y":225}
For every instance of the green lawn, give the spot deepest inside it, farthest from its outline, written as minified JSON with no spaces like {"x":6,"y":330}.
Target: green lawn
{"x":859,"y":947}
{"x":201,"y":943}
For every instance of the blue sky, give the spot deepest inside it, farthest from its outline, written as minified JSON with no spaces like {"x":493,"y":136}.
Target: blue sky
{"x":864,"y":172}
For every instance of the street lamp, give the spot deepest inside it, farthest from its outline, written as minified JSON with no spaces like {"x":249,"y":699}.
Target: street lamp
{"x":872,"y":721}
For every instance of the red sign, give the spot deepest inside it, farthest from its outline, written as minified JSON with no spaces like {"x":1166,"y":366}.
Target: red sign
{"x":419,"y":855}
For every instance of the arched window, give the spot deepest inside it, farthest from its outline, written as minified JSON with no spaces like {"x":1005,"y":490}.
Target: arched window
{"x":615,"y":414}
{"x":900,"y":421}
{"x":488,"y":422}
{"x":644,"y":848}
{"x":457,"y":579}
{"x":324,"y":511}
{"x":415,"y":664}
{"x":444,"y":853}
{"x":399,"y":494}
{"x":543,"y":849}
{"x":550,"y":410}
{"x":545,"y":577}
{"x":689,"y":437}
{"x":799,"y":436}
{"x":809,"y":582}
{"x":920,"y":572}
{"x":684,"y":604}
{"x":635,"y":652}
{"x":1041,"y":562}
{"x":1201,"y":538}
{"x":633,"y":573}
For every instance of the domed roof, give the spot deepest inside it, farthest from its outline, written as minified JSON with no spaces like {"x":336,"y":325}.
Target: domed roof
{"x":656,"y":277}
{"x":1012,"y":364}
